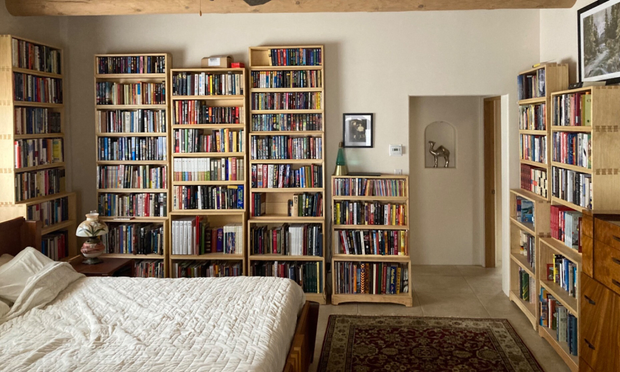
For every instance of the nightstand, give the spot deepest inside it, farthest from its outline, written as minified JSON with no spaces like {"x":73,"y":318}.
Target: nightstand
{"x":109,"y":267}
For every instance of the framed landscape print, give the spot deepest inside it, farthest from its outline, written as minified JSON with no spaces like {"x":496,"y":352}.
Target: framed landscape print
{"x":599,"y":41}
{"x":357,"y":130}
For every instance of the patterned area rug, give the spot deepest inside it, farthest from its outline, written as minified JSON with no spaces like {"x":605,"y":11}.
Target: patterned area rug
{"x":424,"y":344}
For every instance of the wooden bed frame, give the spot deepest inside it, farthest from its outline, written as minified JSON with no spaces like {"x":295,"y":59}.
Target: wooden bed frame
{"x":18,"y":234}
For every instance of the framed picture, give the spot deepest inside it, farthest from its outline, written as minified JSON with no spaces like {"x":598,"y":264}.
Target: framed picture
{"x":598,"y":27}
{"x":357,"y":130}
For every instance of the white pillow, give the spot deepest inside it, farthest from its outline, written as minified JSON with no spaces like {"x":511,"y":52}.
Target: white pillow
{"x":15,"y":274}
{"x":5,"y":258}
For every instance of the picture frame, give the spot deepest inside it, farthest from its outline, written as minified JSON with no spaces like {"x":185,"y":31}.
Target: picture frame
{"x":357,"y":130}
{"x":598,"y":48}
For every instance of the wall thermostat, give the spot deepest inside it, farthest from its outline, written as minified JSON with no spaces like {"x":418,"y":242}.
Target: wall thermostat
{"x":396,"y":150}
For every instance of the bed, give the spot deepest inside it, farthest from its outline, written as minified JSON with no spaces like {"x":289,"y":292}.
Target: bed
{"x":63,"y":321}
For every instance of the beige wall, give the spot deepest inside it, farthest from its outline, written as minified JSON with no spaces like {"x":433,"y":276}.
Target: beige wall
{"x":447,"y":213}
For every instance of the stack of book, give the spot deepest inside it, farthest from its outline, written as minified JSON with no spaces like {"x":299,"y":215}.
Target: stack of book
{"x":194,"y":236}
{"x":371,"y":278}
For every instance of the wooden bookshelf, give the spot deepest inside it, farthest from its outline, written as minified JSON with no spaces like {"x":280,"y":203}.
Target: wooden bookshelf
{"x":34,"y":122}
{"x":534,"y":121}
{"x":132,"y":136}
{"x":208,"y":105}
{"x":281,"y":79}
{"x":360,"y":244}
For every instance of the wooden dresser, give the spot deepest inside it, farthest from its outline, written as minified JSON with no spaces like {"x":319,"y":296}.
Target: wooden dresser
{"x":599,"y":326}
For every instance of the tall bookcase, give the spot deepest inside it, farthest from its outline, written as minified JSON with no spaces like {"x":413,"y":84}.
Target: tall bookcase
{"x":370,"y":239}
{"x":209,"y":184}
{"x":133,"y":149}
{"x":287,"y":165}
{"x":535,"y":88}
{"x":32,"y":141}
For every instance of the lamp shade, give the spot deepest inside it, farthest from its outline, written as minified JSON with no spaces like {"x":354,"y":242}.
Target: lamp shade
{"x":92,"y":227}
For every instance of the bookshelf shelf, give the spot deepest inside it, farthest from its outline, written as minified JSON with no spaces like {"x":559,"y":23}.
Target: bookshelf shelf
{"x":533,"y":132}
{"x":527,"y":308}
{"x":128,"y":191}
{"x":533,"y":163}
{"x":58,"y":226}
{"x":559,"y":128}
{"x":361,"y":247}
{"x":209,"y":97}
{"x":206,"y":183}
{"x":132,"y":219}
{"x":569,"y":302}
{"x":561,"y":248}
{"x":527,"y":227}
{"x":522,"y":263}
{"x":38,"y":104}
{"x":40,"y":167}
{"x":530,"y":101}
{"x":132,"y":162}
{"x":560,"y":347}
{"x":208,"y":126}
{"x":37,"y":73}
{"x":132,"y":134}
{"x":36,"y":136}
{"x":208,"y":256}
{"x":130,"y":107}
{"x":207,"y":154}
{"x":130,"y":76}
{"x":571,"y":167}
{"x":131,"y":255}
{"x":278,"y":203}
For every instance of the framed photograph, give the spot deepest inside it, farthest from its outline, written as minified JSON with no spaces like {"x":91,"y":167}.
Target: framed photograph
{"x":598,"y":27}
{"x":357,"y":130}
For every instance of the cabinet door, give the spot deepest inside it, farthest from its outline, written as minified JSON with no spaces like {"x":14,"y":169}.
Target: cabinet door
{"x":599,"y":338}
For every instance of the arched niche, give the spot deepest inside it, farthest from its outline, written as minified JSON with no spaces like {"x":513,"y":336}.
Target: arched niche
{"x":443,"y":134}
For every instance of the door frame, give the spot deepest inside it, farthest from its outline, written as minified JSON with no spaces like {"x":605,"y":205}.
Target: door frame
{"x":492,"y":153}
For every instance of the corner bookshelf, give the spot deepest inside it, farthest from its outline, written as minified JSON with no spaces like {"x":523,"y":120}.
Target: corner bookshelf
{"x":132,"y":150}
{"x":32,"y":141}
{"x":370,"y":239}
{"x":535,"y":88}
{"x":286,"y":227}
{"x":209,"y":183}
{"x":529,"y":222}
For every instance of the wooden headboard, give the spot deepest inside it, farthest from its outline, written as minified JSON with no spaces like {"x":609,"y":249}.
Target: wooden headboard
{"x":18,"y":234}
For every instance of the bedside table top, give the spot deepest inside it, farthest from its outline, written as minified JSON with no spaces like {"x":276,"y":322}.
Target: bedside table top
{"x":107,"y":268}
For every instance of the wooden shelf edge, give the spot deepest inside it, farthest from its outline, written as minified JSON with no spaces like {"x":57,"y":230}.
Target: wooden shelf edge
{"x":561,"y":248}
{"x":571,"y":361}
{"x":401,"y":299}
{"x":561,"y":296}
{"x":525,"y":308}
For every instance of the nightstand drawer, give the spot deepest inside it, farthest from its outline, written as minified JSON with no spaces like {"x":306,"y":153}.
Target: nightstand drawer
{"x":607,"y":232}
{"x":607,"y":266}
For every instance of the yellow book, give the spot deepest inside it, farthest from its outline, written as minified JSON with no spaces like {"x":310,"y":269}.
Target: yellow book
{"x":398,"y":280}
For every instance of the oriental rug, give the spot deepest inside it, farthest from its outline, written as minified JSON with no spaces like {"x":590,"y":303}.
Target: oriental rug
{"x":423,"y":344}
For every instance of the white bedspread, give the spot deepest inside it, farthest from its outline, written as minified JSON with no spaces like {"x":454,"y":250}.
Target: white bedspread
{"x":133,"y":324}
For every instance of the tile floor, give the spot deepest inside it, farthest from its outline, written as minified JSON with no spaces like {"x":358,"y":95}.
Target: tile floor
{"x":453,"y":291}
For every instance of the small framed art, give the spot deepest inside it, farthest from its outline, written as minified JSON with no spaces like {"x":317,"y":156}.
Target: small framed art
{"x":357,"y":130}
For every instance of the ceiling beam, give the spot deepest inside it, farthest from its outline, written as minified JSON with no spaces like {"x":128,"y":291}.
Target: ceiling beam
{"x":127,"y":7}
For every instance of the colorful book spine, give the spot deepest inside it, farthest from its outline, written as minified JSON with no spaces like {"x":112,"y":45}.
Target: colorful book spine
{"x":291,"y":240}
{"x":208,"y":169}
{"x":573,"y":148}
{"x":218,"y":140}
{"x":573,"y":110}
{"x":148,"y":269}
{"x":54,"y":245}
{"x":286,"y":101}
{"x":296,"y":57}
{"x":271,"y":176}
{"x":533,"y":148}
{"x":208,"y":197}
{"x":50,"y":212}
{"x":286,"y":147}
{"x":287,"y":122}
{"x":369,"y":213}
{"x":132,"y":177}
{"x":373,"y":242}
{"x":533,"y":117}
{"x":29,"y":88}
{"x":133,"y":205}
{"x":205,"y":269}
{"x":131,"y":65}
{"x":131,"y":121}
{"x":198,"y":112}
{"x":29,"y":185}
{"x":207,"y":84}
{"x":132,"y":148}
{"x":287,"y":79}
{"x":573,"y":187}
{"x":371,"y":278}
{"x":34,"y":120}
{"x":309,"y":275}
{"x":113,"y":93}
{"x":368,"y":187}
{"x":134,"y":238}
{"x":36,"y":57}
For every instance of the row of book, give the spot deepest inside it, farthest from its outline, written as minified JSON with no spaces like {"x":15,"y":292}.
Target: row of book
{"x":132,"y":177}
{"x":132,"y":148}
{"x":573,"y":187}
{"x":40,"y":151}
{"x":535,"y":180}
{"x":291,"y":240}
{"x":219,"y":140}
{"x":572,"y":148}
{"x":371,"y":278}
{"x":532,"y":85}
{"x":134,"y":238}
{"x":527,"y":248}
{"x":286,"y":101}
{"x":533,"y":117}
{"x":198,"y":112}
{"x":296,"y":57}
{"x":271,"y":176}
{"x":369,"y":213}
{"x":208,"y":197}
{"x":574,"y":109}
{"x":525,"y":210}
{"x":142,"y":93}
{"x":148,"y":269}
{"x":29,"y":88}
{"x":35,"y":57}
{"x":527,"y":287}
{"x":287,"y":122}
{"x":368,"y":187}
{"x":206,"y":84}
{"x":208,"y":169}
{"x":134,"y":205}
{"x":49,"y":212}
{"x":54,"y":245}
{"x":563,"y":272}
{"x":306,"y":205}
{"x":131,"y":65}
{"x":205,"y":269}
{"x":565,"y":224}
{"x":34,"y":184}
{"x":373,"y":242}
{"x":36,"y":120}
{"x":287,"y":79}
{"x":555,"y":316}
{"x":132,"y":121}
{"x":309,"y":275}
{"x":286,"y":147}
{"x":194,"y":236}
{"x":533,"y":148}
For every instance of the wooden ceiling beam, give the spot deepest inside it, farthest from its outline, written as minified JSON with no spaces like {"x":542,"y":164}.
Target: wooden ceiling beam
{"x":129,"y":7}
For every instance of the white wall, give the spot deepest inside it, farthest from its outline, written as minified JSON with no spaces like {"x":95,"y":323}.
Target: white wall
{"x":447,"y":213}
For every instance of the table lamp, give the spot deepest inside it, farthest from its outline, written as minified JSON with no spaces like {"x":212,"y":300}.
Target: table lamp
{"x":92,"y":229}
{"x":341,"y":164}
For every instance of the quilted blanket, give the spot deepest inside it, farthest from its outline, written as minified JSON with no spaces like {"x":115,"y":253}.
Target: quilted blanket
{"x":136,"y":324}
